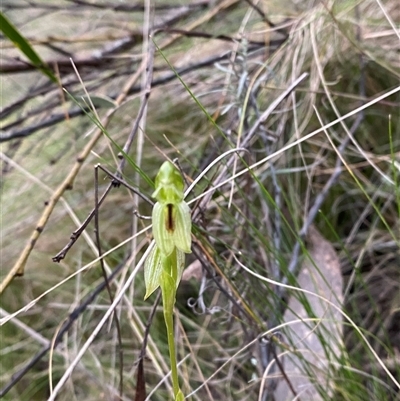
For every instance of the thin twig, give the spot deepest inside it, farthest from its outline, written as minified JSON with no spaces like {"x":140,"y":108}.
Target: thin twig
{"x":115,"y":314}
{"x":271,"y":350}
{"x":77,"y":233}
{"x":120,"y":181}
{"x":198,"y":34}
{"x":266,"y":19}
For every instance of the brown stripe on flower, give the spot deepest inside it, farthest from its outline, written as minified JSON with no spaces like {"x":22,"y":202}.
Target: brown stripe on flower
{"x":170,"y":218}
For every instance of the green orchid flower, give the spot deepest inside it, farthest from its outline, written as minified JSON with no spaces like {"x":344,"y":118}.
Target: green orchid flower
{"x":172,"y":226}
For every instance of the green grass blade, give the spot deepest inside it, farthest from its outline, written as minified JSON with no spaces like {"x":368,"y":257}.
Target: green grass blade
{"x":11,"y":32}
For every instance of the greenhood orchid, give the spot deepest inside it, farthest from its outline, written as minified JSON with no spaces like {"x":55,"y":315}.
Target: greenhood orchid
{"x":171,"y":214}
{"x":172,"y":226}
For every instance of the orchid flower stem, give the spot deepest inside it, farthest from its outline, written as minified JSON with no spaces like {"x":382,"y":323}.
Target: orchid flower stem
{"x":168,"y":289}
{"x":169,"y":323}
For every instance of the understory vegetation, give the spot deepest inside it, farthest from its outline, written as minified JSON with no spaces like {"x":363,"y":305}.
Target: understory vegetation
{"x":283,"y":118}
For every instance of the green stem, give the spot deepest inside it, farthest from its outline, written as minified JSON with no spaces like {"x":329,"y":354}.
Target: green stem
{"x":169,"y":323}
{"x":168,"y":289}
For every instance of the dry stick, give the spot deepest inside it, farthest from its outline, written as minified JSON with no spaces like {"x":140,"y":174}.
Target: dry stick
{"x":139,"y":7}
{"x":120,"y":181}
{"x":148,"y":326}
{"x":18,"y":268}
{"x":198,"y":34}
{"x":115,"y":315}
{"x":116,"y":179}
{"x":77,"y":233}
{"x":31,"y":129}
{"x":281,"y":369}
{"x":140,"y":382}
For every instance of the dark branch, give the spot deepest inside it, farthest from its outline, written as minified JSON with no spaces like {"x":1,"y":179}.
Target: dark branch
{"x":59,"y":117}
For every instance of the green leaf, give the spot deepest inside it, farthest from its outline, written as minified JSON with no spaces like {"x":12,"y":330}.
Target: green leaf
{"x":21,"y":43}
{"x":153,"y":268}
